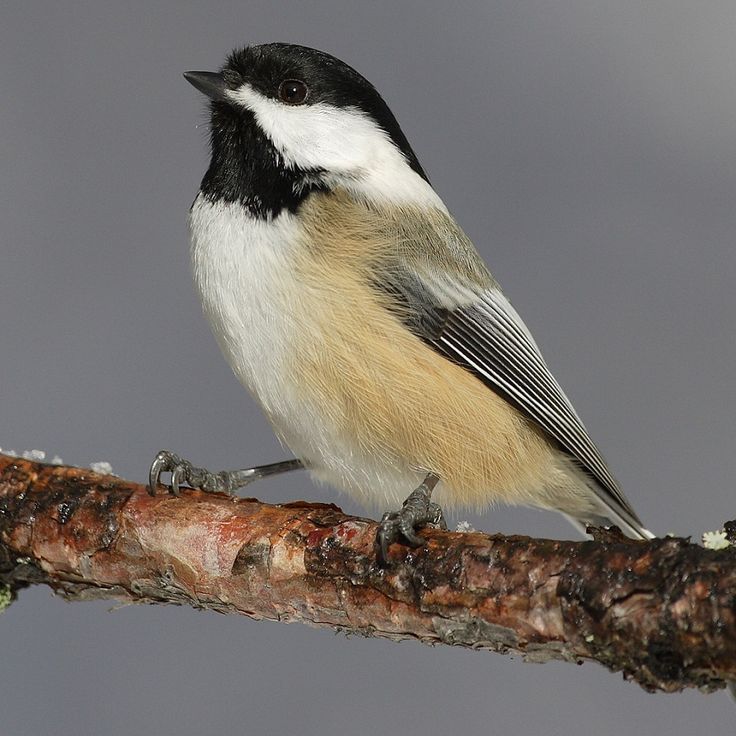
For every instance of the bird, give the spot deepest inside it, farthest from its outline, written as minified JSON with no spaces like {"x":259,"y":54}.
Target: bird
{"x":360,"y":316}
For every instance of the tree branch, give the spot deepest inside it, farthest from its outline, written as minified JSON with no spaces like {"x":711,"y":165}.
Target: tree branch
{"x":662,"y":612}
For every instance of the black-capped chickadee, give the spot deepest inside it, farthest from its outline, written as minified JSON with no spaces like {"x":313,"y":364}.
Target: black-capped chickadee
{"x":350,"y":303}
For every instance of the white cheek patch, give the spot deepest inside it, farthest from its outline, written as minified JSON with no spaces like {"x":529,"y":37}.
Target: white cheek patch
{"x":319,"y":135}
{"x":344,"y":142}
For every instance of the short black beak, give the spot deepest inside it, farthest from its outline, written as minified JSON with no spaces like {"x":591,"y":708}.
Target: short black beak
{"x":208,"y":83}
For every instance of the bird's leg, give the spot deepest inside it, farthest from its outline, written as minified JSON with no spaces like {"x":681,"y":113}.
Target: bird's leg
{"x":416,"y":511}
{"x":226,"y":481}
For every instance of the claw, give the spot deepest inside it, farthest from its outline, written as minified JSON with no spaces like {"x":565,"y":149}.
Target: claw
{"x":178,"y":476}
{"x":167,"y":462}
{"x":153,"y":474}
{"x":162,"y":463}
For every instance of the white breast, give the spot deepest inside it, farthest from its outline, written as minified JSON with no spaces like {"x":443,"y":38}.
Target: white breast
{"x":243,"y":273}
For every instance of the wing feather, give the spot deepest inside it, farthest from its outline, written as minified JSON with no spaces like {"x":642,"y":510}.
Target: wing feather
{"x":496,"y":344}
{"x":487,"y":336}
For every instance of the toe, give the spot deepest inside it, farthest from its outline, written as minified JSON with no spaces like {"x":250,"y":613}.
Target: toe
{"x":383,"y":545}
{"x":385,"y":536}
{"x":436,"y":517}
{"x":406,"y":526}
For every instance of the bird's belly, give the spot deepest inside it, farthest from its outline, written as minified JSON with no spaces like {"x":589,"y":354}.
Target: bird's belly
{"x":269,"y":325}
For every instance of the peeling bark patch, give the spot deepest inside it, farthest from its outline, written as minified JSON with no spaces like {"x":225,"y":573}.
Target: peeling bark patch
{"x":252,"y":557}
{"x":477,"y":634}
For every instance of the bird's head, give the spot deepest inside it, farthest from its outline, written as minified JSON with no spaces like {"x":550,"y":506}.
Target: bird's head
{"x":287,"y":119}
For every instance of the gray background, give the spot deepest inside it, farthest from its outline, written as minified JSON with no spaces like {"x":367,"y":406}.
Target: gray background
{"x":589,"y":150}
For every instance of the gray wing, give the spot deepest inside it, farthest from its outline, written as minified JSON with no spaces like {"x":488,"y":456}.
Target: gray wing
{"x":483,"y":333}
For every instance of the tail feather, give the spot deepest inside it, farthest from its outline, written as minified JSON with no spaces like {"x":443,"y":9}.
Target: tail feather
{"x":631,"y":527}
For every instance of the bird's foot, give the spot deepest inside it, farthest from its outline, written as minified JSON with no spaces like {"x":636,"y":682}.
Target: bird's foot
{"x":399,"y":526}
{"x":183,"y":472}
{"x":226,"y":481}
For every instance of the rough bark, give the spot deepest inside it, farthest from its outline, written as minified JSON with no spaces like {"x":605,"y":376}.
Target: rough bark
{"x":662,"y":612}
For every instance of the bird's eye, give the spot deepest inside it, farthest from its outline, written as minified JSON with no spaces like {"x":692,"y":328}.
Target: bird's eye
{"x":293,"y":92}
